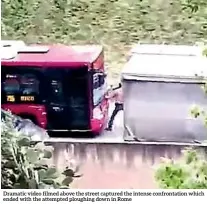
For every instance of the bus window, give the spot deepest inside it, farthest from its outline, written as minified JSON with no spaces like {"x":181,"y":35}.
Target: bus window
{"x":96,"y":81}
{"x":77,"y":86}
{"x":11,"y":86}
{"x":98,"y":87}
{"x":78,"y":91}
{"x":29,"y":85}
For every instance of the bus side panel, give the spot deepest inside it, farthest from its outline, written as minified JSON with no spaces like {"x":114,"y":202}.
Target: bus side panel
{"x":38,"y":112}
{"x":98,"y":64}
{"x":100,"y":117}
{"x":99,"y":89}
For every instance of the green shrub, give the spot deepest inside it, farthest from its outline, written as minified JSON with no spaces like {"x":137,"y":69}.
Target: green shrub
{"x":28,"y":166}
{"x":190,"y":172}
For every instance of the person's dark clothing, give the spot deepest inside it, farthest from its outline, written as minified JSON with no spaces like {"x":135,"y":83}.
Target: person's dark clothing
{"x":118,"y":107}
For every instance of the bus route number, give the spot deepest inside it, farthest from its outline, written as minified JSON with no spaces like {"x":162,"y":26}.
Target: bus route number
{"x":10,"y":98}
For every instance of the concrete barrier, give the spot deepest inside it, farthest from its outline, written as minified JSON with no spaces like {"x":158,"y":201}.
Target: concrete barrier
{"x":116,"y":165}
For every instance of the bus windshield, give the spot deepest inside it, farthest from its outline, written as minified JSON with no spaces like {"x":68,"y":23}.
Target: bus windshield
{"x":20,"y":87}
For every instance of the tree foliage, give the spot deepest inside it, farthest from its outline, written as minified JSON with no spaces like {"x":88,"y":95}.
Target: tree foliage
{"x":116,"y":24}
{"x":28,"y":166}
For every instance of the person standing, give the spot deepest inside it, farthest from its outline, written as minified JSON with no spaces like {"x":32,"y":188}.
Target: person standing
{"x":118,"y":96}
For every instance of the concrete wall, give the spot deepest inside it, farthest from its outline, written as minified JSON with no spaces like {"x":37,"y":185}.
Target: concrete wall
{"x":115,"y":165}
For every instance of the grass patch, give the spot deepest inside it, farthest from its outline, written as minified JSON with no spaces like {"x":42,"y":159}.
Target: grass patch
{"x":116,"y":24}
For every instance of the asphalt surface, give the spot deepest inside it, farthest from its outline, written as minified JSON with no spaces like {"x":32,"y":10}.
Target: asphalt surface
{"x":115,"y":136}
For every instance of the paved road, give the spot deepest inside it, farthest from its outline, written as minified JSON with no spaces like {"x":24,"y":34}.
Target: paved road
{"x":115,"y":136}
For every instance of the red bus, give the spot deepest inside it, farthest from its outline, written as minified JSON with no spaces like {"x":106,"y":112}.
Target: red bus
{"x":58,"y":87}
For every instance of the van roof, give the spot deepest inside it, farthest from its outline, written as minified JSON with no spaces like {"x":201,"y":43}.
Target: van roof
{"x":53,"y":55}
{"x":165,"y":62}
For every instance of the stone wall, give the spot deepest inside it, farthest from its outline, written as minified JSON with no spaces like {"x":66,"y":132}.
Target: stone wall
{"x":124,"y":165}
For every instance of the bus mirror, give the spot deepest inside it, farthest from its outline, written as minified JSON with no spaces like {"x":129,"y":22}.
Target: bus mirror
{"x":102,"y":74}
{"x":101,"y":78}
{"x":105,"y":74}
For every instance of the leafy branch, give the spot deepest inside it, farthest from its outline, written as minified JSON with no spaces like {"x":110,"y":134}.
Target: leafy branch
{"x":25,"y":165}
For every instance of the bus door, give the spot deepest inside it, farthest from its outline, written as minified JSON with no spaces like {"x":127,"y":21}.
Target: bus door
{"x":68,"y":107}
{"x":57,"y":109}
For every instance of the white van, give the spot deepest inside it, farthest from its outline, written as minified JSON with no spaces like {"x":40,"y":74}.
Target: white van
{"x":160,"y":84}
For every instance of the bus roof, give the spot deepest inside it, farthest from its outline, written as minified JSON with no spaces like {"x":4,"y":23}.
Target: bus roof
{"x":55,"y":55}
